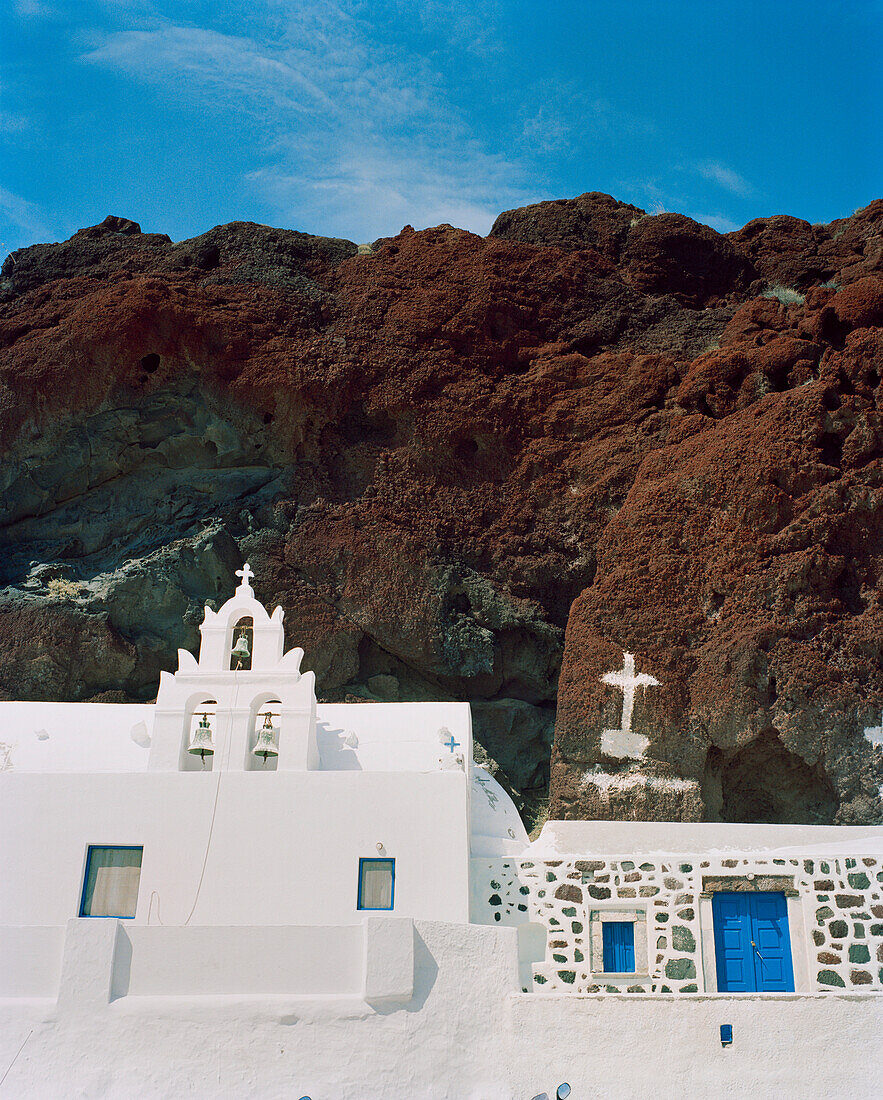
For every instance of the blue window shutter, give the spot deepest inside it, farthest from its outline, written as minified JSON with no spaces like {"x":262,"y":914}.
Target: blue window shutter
{"x":628,"y":947}
{"x":619,"y":947}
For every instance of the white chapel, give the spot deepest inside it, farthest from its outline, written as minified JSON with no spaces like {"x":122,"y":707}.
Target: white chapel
{"x":238,"y":891}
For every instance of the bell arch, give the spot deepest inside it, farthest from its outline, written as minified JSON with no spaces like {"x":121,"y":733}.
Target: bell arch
{"x":240,"y":644}
{"x":230,"y":688}
{"x":199,"y":741}
{"x":265,"y":713}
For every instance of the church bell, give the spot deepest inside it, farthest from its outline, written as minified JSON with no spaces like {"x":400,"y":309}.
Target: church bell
{"x":201,"y":742}
{"x":267,"y":743}
{"x":241,"y":652}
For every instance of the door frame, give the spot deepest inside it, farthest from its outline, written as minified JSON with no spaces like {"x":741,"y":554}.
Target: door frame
{"x":759,"y":883}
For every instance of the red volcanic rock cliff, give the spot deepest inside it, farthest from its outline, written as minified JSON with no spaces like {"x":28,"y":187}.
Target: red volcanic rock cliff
{"x":465,"y":464}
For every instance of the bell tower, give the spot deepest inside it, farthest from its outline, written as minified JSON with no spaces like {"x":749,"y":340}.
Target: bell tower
{"x":240,"y":700}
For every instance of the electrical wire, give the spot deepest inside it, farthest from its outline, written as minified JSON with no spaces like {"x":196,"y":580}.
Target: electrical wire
{"x":211,"y":828}
{"x":15,"y":1059}
{"x":154,"y":894}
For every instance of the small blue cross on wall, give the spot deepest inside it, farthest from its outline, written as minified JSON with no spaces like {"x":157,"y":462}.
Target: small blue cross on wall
{"x":451,"y":744}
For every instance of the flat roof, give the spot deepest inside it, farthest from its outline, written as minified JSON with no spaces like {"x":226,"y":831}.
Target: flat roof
{"x":677,"y":838}
{"x":115,"y":737}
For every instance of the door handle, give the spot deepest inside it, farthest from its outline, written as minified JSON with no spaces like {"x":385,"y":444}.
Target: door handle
{"x":754,"y":945}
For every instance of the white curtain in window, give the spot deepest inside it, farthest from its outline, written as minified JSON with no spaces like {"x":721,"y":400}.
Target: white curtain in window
{"x":377,"y":884}
{"x":112,"y":882}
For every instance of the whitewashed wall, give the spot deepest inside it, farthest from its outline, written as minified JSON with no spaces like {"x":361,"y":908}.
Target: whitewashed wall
{"x":90,"y":963}
{"x":116,"y":737}
{"x":30,"y":961}
{"x":284,"y":848}
{"x":310,"y":961}
{"x":462,"y":1035}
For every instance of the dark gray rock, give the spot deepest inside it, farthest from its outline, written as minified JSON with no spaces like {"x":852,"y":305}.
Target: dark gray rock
{"x":680,"y":969}
{"x":682,"y":939}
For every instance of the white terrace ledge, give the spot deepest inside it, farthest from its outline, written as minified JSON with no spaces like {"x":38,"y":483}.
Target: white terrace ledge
{"x":701,"y":995}
{"x":683,"y":839}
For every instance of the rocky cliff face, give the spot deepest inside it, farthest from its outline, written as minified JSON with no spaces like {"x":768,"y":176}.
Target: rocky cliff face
{"x":464,"y":465}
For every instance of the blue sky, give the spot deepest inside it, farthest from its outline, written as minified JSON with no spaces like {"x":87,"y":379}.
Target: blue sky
{"x":352,"y":118}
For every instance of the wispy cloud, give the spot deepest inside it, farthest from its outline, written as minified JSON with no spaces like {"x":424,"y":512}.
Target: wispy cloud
{"x":356,"y":138}
{"x":716,"y":221}
{"x":651,"y":194}
{"x":381,"y":189}
{"x":25,"y":216}
{"x":30,"y":9}
{"x":724,"y":177}
{"x":177,"y":56}
{"x":11,"y":123}
{"x":472,"y":28}
{"x":655,"y":198}
{"x":546,"y":131}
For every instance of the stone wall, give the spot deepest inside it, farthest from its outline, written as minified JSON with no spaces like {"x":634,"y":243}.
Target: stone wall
{"x":841,"y":901}
{"x":848,"y":918}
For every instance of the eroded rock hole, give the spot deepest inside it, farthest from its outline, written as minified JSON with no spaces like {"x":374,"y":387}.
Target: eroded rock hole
{"x":765,"y":782}
{"x":459,"y":603}
{"x":849,"y":590}
{"x":832,"y":330}
{"x":150,"y":363}
{"x":716,"y":601}
{"x":359,"y":425}
{"x":777,"y":379}
{"x":207,"y":257}
{"x":831,"y":447}
{"x":466,"y":450}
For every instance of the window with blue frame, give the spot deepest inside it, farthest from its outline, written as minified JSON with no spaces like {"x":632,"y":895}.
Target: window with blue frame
{"x":376,"y":883}
{"x":110,"y":884}
{"x":618,"y":938}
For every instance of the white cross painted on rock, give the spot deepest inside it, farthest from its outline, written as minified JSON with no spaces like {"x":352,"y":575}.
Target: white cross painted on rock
{"x":874,"y":734}
{"x":246,"y":572}
{"x":622,"y":742}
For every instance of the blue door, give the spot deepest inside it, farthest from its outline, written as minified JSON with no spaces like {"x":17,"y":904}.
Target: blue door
{"x":751,"y":943}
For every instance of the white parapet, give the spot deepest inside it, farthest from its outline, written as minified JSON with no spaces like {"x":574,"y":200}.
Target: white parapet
{"x":88,"y":963}
{"x":389,"y":959}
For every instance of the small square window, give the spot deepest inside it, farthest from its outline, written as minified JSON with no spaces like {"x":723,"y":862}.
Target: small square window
{"x":618,"y":941}
{"x":376,"y":883}
{"x":110,"y":886}
{"x":618,"y":946}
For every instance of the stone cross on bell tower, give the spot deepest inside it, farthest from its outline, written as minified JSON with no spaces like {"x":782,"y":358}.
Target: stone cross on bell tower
{"x":622,"y":742}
